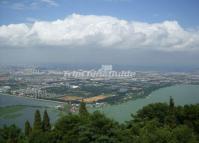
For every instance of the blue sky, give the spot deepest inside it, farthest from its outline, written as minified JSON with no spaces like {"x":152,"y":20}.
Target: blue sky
{"x":183,"y":11}
{"x":127,"y":32}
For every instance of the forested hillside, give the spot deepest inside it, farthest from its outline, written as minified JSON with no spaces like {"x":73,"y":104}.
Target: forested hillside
{"x":154,"y":123}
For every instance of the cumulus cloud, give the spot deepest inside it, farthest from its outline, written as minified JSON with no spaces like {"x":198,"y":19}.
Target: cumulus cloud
{"x":101,"y":32}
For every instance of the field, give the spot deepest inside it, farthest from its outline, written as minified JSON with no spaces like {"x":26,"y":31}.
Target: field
{"x":11,"y":111}
{"x":69,"y":98}
{"x":95,"y":98}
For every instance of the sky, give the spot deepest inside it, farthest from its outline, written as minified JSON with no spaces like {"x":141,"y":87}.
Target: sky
{"x":161,"y":33}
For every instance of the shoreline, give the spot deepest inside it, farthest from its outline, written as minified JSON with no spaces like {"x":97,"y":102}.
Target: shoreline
{"x":39,"y":99}
{"x":60,"y":102}
{"x":112,"y":110}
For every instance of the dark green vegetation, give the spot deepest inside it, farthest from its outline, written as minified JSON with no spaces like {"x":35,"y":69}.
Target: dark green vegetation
{"x":154,"y":123}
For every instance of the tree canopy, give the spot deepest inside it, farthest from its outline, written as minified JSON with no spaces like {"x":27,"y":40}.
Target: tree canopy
{"x":153,"y":123}
{"x":46,"y":122}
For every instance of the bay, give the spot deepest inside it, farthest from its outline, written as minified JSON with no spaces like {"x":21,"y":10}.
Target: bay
{"x":182,"y":94}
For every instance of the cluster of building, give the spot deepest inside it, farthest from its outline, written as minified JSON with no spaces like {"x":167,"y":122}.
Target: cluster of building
{"x":30,"y":92}
{"x":106,"y":71}
{"x":116,"y":85}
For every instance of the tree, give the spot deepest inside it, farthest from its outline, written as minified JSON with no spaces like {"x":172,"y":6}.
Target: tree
{"x":184,"y":134}
{"x":37,"y":121}
{"x":27,"y":128}
{"x":11,"y":134}
{"x":82,"y":109}
{"x":46,"y":122}
{"x":171,"y":103}
{"x":153,"y":123}
{"x":151,"y":111}
{"x":69,"y":128}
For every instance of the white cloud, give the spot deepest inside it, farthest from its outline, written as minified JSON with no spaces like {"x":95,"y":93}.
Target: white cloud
{"x":99,"y":31}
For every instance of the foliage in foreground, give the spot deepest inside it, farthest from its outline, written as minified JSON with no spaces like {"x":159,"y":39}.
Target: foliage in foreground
{"x":154,"y":123}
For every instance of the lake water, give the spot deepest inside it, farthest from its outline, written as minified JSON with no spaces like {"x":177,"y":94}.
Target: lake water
{"x":14,"y":100}
{"x":27,"y":113}
{"x":182,"y":94}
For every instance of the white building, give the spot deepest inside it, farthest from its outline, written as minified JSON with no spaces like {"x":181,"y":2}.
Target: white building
{"x":106,"y":68}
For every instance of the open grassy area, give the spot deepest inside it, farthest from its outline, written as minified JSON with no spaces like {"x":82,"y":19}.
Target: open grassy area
{"x":11,"y":111}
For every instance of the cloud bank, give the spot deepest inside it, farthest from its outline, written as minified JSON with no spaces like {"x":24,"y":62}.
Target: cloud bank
{"x":80,"y":31}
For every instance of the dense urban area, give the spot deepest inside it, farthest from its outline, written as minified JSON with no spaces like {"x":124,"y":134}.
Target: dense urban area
{"x":95,"y":87}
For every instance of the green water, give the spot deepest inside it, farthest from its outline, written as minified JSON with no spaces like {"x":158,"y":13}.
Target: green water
{"x":182,"y":94}
{"x":16,"y":110}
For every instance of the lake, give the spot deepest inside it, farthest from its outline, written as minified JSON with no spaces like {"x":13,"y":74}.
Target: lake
{"x":182,"y":94}
{"x":27,"y":112}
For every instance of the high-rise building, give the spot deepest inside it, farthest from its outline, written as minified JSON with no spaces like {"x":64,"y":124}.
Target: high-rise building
{"x":106,"y":67}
